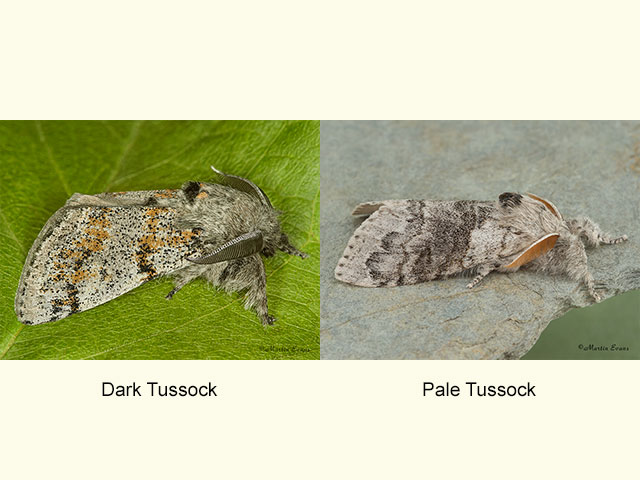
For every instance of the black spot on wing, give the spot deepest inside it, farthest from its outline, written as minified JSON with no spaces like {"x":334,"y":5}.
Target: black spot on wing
{"x":191,"y":190}
{"x":74,"y":301}
{"x":392,"y":241}
{"x":144,"y":262}
{"x":375,"y":266}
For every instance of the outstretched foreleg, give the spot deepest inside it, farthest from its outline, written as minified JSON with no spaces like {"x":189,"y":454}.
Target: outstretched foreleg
{"x":285,"y":246}
{"x":588,"y":230}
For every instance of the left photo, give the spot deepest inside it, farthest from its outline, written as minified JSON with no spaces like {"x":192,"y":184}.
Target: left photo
{"x":160,"y":240}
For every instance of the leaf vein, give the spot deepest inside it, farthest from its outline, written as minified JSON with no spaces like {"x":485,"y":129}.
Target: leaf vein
{"x":52,"y":160}
{"x":12,"y":234}
{"x":12,"y":341}
{"x":131,"y":140}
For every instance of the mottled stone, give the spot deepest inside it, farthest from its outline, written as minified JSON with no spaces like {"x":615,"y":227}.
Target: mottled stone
{"x":584,"y":168}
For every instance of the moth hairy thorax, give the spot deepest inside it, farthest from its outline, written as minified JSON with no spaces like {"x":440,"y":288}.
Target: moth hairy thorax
{"x":405,"y":242}
{"x":98,"y":247}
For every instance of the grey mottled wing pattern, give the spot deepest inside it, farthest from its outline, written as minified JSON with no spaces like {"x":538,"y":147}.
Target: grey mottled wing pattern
{"x":87,"y":255}
{"x":411,"y":241}
{"x":141,"y":197}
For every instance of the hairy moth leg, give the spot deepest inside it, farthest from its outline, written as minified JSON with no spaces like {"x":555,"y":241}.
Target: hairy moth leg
{"x":246,"y":273}
{"x":241,"y":274}
{"x":589,"y":230}
{"x":568,"y":257}
{"x":575,"y":265}
{"x":291,"y":250}
{"x":180,"y":282}
{"x":256,"y":297}
{"x":286,"y":247}
{"x":182,"y":277}
{"x":483,"y":271}
{"x":175,"y":290}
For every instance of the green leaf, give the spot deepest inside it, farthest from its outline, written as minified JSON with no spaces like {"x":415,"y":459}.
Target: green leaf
{"x":44,"y":163}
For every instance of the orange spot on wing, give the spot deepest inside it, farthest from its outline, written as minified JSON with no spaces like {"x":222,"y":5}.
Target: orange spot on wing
{"x":94,"y":235}
{"x":80,"y":275}
{"x":537,"y":249}
{"x":59,"y":302}
{"x":159,"y":235}
{"x":151,"y":241}
{"x":155,"y":211}
{"x":72,"y":254}
{"x":88,"y":245}
{"x":97,"y":233}
{"x":202,"y":195}
{"x":165,"y":194}
{"x":155,"y":215}
{"x":182,"y":237}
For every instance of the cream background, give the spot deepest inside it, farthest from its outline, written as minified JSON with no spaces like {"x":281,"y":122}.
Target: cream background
{"x":319,"y":419}
{"x":338,"y":59}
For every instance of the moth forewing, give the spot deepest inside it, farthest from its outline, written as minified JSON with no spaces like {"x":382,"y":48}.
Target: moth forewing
{"x":165,"y":197}
{"x":94,"y":254}
{"x":366,"y":208}
{"x":410,"y":241}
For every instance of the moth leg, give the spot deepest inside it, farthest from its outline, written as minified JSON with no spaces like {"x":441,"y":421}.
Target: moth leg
{"x":172,"y":293}
{"x":248,"y":274}
{"x":573,"y":260}
{"x":286,"y":247}
{"x":483,"y":271}
{"x":256,"y":297}
{"x":175,"y":290}
{"x":587,"y":229}
{"x":181,"y":279}
{"x":589,"y":283}
{"x":567,"y":258}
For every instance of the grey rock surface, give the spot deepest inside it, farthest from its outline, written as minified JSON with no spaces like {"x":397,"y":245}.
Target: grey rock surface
{"x":584,"y":168}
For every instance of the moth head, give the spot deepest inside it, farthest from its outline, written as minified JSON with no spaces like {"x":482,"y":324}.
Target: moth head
{"x":528,"y":218}
{"x":529,"y":202}
{"x":196,"y":192}
{"x":254,"y":213}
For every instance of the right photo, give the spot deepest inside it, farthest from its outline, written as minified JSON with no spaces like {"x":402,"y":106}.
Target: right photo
{"x":480,"y":240}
